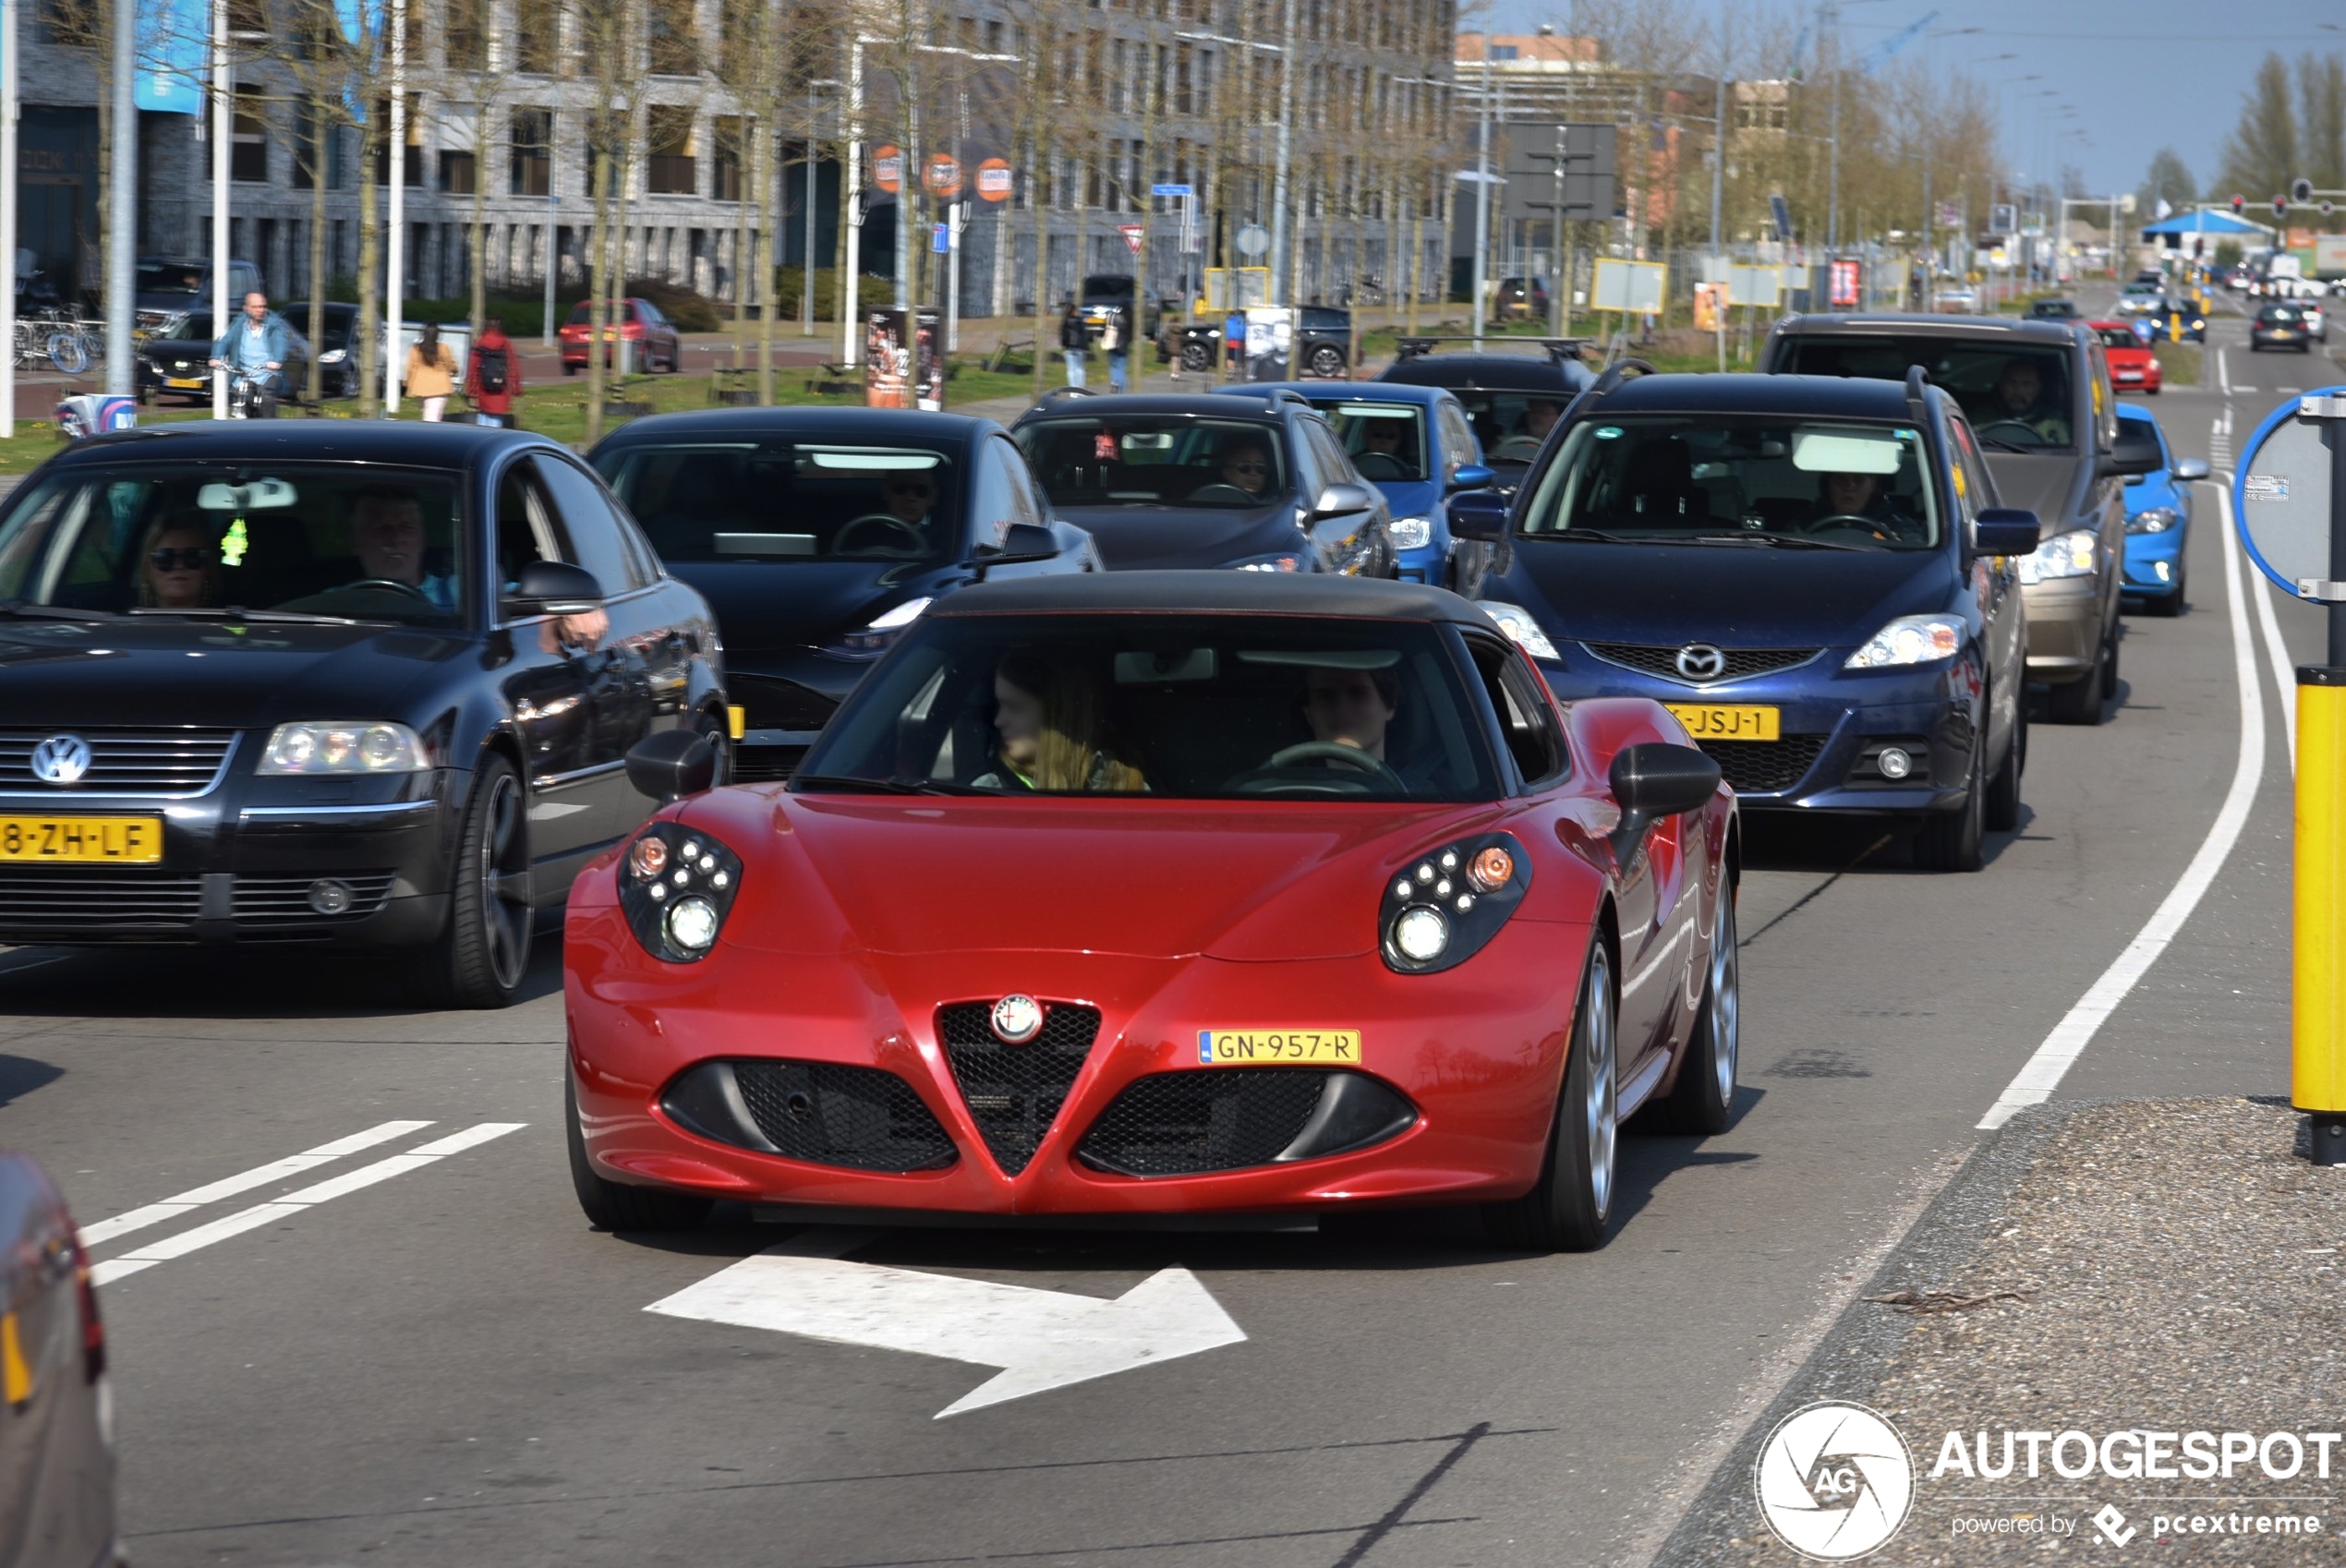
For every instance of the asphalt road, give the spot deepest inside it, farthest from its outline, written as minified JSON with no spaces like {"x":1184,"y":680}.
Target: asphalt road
{"x":445,"y":1366}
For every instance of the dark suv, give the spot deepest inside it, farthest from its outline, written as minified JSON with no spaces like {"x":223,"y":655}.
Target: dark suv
{"x":1195,"y":481}
{"x":2038,"y":395}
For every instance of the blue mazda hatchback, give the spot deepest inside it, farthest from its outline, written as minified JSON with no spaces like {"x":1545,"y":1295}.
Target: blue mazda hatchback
{"x":2158,"y":519}
{"x":1812,"y":573}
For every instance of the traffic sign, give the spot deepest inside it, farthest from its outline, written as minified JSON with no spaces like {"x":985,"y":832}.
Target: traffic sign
{"x":994,"y":180}
{"x":2281,"y":495}
{"x":1781,"y":214}
{"x":1253,"y":240}
{"x":1132,"y":234}
{"x":888,"y":168}
{"x":940,"y":237}
{"x":1171,"y":190}
{"x":941,"y":175}
{"x":1629,"y":285}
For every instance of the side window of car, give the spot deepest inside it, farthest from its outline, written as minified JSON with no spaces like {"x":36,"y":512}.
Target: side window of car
{"x":1457,"y":440}
{"x":525,"y":529}
{"x":587,"y":524}
{"x":1978,"y":484}
{"x":1526,"y":720}
{"x":1330,"y":453}
{"x":994,"y":501}
{"x":1310,"y":480}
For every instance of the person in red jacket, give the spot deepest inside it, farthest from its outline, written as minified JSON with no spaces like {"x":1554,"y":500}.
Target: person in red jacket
{"x":492,"y":374}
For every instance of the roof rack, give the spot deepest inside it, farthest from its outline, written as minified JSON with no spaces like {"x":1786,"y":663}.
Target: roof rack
{"x":1917,"y":392}
{"x":1062,"y":394}
{"x":1268,"y":394}
{"x":1416,"y":345}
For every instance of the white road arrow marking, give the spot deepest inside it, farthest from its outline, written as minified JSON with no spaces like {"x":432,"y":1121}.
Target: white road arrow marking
{"x":1040,"y":1339}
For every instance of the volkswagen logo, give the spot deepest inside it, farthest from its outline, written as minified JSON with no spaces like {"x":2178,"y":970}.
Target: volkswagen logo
{"x":1017,"y":1019}
{"x":1700,"y":661}
{"x":61,"y":759}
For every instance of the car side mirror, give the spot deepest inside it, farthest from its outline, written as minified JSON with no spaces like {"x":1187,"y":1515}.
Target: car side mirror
{"x":2006,"y":530}
{"x":2190,"y":468}
{"x":2134,"y":455}
{"x":1472,"y":477}
{"x":554,"y":587}
{"x":1479,"y":514}
{"x":1020,"y":541}
{"x":1341,"y":497}
{"x":668,"y":764}
{"x":1652,"y":781}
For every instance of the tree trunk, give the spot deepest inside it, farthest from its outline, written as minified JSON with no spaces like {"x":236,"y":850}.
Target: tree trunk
{"x":598,"y":284}
{"x":371,"y":380}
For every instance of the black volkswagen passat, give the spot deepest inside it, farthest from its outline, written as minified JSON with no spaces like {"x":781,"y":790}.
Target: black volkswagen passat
{"x":366,"y":684}
{"x":819,"y":534}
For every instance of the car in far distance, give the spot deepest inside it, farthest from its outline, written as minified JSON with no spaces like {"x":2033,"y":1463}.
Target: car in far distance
{"x":2133,"y":366}
{"x":1955,"y":299}
{"x":1321,"y":344}
{"x":2280,"y":324}
{"x":654,"y":335}
{"x":1522,"y":300}
{"x":2158,"y":518}
{"x":1104,"y":292}
{"x":2151,"y":275}
{"x":2143,"y":299}
{"x":2053,"y":310}
{"x":56,"y":1436}
{"x":338,"y":365}
{"x":166,"y":288}
{"x":2317,"y":319}
{"x":176,"y":361}
{"x":1512,"y":400}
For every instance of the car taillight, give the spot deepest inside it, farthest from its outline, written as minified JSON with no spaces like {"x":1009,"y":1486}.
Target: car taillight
{"x":94,"y":1327}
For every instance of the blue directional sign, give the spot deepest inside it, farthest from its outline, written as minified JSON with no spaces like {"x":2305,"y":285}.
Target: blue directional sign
{"x":1171,"y":190}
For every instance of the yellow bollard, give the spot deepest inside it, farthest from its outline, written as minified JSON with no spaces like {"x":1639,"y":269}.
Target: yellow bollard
{"x":2318,"y":1014}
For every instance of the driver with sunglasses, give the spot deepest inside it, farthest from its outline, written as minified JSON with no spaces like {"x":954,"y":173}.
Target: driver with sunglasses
{"x":908,"y":497}
{"x":1247,"y":466}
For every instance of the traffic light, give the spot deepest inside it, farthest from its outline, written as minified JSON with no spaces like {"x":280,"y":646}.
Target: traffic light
{"x":2280,"y":207}
{"x":2239,"y":205}
{"x":2301,"y":191}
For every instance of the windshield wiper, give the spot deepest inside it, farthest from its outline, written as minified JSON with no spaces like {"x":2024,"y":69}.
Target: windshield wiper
{"x":233,"y":612}
{"x":850,"y":784}
{"x":33,"y":611}
{"x":1998,"y":443}
{"x":1798,"y":541}
{"x":1594,"y":536}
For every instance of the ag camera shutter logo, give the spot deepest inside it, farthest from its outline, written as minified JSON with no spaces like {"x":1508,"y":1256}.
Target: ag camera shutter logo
{"x":1834,"y":1481}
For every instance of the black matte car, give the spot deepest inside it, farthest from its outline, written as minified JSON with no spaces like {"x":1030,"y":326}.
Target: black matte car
{"x":819,"y":534}
{"x":337,"y":358}
{"x":2052,"y":310}
{"x":1812,"y":573}
{"x":2281,"y":326}
{"x":1320,"y":345}
{"x":1259,"y":484}
{"x":366,"y":684}
{"x":56,"y":1436}
{"x":1512,"y":400}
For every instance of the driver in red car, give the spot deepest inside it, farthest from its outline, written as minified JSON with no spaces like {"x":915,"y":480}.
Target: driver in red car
{"x":1351,"y":708}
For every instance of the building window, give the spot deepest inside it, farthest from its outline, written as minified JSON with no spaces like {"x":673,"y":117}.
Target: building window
{"x":468,"y":35}
{"x":670,"y":145}
{"x":538,"y":31}
{"x":317,"y":140}
{"x":411,"y":166}
{"x":675,"y":50}
{"x":458,"y":172}
{"x":72,"y":24}
{"x":606,"y":138}
{"x":530,"y":160}
{"x":249,"y":140}
{"x":725,"y":172}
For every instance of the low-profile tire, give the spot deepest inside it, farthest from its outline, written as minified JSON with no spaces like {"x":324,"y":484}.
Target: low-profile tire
{"x":2003,"y":812}
{"x":2078,"y":701}
{"x":614,"y":1206}
{"x":2109,"y":667}
{"x":1196,"y":358}
{"x":1955,"y":840}
{"x":1703,"y":1100}
{"x":1567,"y":1208}
{"x":482,"y":951}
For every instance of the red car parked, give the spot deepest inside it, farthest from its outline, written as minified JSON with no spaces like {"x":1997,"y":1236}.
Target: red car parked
{"x":2133,"y":366}
{"x":654,"y":335}
{"x":1164,"y":892}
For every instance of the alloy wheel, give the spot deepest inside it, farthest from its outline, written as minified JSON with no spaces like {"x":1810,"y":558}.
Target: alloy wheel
{"x":1726,"y":998}
{"x":504,"y":880}
{"x":1599,"y":1109}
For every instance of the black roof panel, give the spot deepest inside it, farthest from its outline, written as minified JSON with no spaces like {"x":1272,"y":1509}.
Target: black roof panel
{"x":1173,"y":592}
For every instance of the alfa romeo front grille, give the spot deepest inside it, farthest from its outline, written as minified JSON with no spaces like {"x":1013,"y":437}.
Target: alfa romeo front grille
{"x":1765,"y":767}
{"x":163,"y":760}
{"x":1738,"y":663}
{"x":832,"y":1113}
{"x":1014,"y":1093}
{"x":1207,"y":1119}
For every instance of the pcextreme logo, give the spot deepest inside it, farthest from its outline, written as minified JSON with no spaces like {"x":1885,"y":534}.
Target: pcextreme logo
{"x":1834,"y":1481}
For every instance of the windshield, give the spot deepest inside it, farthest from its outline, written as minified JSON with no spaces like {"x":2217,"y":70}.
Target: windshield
{"x":2016,"y":395}
{"x":1155,"y":460}
{"x":160,"y":538}
{"x":1512,"y":426}
{"x":1740,"y":480}
{"x":159,"y":277}
{"x":1185,"y":707}
{"x":2118,"y":337}
{"x":1385,"y":441}
{"x":789,"y":501}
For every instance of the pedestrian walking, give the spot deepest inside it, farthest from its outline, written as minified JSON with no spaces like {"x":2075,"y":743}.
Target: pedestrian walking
{"x":432,"y":372}
{"x":1075,"y":341}
{"x":1117,"y":339}
{"x":492,"y":375}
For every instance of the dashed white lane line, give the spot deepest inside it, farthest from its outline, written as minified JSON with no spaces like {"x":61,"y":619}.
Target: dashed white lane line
{"x":293,"y":1203}
{"x":2043,"y":1071}
{"x":244,"y":1181}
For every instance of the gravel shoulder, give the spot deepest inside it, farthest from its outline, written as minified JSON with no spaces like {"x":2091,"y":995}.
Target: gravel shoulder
{"x":2162,"y":1266}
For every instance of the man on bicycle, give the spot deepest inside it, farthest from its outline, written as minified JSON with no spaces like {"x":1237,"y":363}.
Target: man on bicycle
{"x":254,"y":348}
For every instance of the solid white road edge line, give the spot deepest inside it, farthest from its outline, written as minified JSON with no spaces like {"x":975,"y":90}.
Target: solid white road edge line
{"x":292,"y":1203}
{"x":2043,"y":1072}
{"x":260,"y":1175}
{"x":2277,"y":654}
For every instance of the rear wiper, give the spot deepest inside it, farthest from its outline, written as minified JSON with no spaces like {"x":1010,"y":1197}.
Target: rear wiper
{"x":1799,"y":541}
{"x":850,"y":784}
{"x":33,"y":611}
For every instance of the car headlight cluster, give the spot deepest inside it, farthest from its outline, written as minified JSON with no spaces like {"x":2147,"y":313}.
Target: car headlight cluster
{"x":1910,"y":639}
{"x":1521,"y":630}
{"x":1440,"y":909}
{"x":877,"y":637}
{"x":343,"y":748}
{"x":1268,"y":563}
{"x":2152,"y":519}
{"x":2075,"y":554}
{"x":675,"y":887}
{"x":1413,"y":533}
{"x":333,"y":356}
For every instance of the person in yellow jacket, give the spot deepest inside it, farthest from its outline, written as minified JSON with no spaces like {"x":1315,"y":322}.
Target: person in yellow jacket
{"x":431,"y":371}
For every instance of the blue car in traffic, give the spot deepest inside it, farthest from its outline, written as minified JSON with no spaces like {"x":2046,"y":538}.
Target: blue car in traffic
{"x":2158,"y":519}
{"x":1812,"y":572}
{"x":1415,"y":444}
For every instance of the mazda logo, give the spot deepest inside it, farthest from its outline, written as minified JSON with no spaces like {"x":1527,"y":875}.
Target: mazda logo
{"x":1700,"y":661}
{"x":61,"y":759}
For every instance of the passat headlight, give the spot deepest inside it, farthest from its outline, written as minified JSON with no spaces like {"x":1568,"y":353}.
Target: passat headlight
{"x":333,"y":356}
{"x":675,"y":886}
{"x":1910,"y":639}
{"x":1440,"y":910}
{"x":1267,"y":563}
{"x":1413,"y":533}
{"x":2073,"y":554}
{"x":2151,"y":520}
{"x":1521,"y":630}
{"x":876,"y":637}
{"x":358,"y":746}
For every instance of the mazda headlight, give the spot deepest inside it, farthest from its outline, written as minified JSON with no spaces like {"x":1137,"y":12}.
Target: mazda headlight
{"x":1910,"y":639}
{"x":1521,"y":630}
{"x":356,"y":747}
{"x":2073,"y":554}
{"x":1440,"y":910}
{"x":675,"y":887}
{"x":1413,"y":533}
{"x":876,"y":637}
{"x":2152,"y":519}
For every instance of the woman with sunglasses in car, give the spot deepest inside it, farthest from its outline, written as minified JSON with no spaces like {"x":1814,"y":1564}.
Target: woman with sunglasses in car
{"x":900,"y":527}
{"x":178,"y":568}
